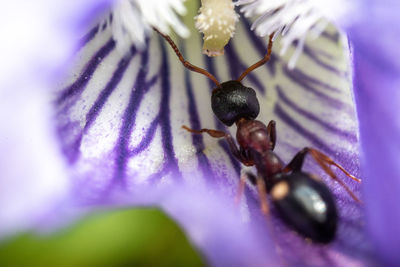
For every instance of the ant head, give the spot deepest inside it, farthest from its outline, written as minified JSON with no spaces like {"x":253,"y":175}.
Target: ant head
{"x":233,"y":101}
{"x":230,"y":101}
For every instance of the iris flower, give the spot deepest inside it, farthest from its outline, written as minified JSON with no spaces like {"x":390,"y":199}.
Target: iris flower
{"x":109,"y":134}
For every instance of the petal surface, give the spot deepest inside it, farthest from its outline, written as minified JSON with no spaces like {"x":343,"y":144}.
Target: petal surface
{"x":119,"y":123}
{"x":377,"y":81}
{"x":37,"y":44}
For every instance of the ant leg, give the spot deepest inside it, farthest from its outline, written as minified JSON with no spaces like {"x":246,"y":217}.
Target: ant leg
{"x":297,"y":162}
{"x":246,"y":174}
{"x":323,"y":161}
{"x":318,"y":154}
{"x":185,"y":63}
{"x":262,"y":193}
{"x":271,"y":128}
{"x":242,"y":184}
{"x":263,"y":196}
{"x":212,"y":133}
{"x":232,"y":145}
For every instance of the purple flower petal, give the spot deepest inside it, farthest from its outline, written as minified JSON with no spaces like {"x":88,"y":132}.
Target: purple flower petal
{"x":120,"y":123}
{"x":377,"y":73}
{"x":118,"y":120}
{"x":33,"y":174}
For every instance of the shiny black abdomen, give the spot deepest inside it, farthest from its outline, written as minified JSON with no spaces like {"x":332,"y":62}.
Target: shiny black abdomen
{"x":307,"y":205}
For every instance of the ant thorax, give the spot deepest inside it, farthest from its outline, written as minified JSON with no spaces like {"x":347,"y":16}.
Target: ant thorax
{"x":253,"y":134}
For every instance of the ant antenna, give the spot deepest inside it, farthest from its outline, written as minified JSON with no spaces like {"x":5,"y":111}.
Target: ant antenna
{"x":185,"y":63}
{"x":261,"y":62}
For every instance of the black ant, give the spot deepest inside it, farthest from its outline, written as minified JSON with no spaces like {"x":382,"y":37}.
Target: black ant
{"x":302,"y":199}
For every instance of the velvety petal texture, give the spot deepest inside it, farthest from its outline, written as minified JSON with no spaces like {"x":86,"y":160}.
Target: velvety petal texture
{"x":375,"y":40}
{"x":119,"y":123}
{"x":36,"y":44}
{"x":111,"y":135}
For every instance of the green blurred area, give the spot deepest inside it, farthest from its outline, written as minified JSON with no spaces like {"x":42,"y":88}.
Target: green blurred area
{"x":130,"y":237}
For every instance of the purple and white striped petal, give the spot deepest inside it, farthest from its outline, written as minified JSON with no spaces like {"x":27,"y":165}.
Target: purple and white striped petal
{"x":119,"y":123}
{"x":369,"y":25}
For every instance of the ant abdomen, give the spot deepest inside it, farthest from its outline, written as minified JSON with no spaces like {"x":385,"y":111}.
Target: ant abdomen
{"x":307,"y":204}
{"x":233,"y":101}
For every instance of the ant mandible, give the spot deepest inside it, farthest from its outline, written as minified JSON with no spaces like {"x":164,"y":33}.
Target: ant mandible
{"x":302,"y":199}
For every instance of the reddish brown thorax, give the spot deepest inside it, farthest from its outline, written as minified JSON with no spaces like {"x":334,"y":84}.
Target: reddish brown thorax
{"x":253,"y":134}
